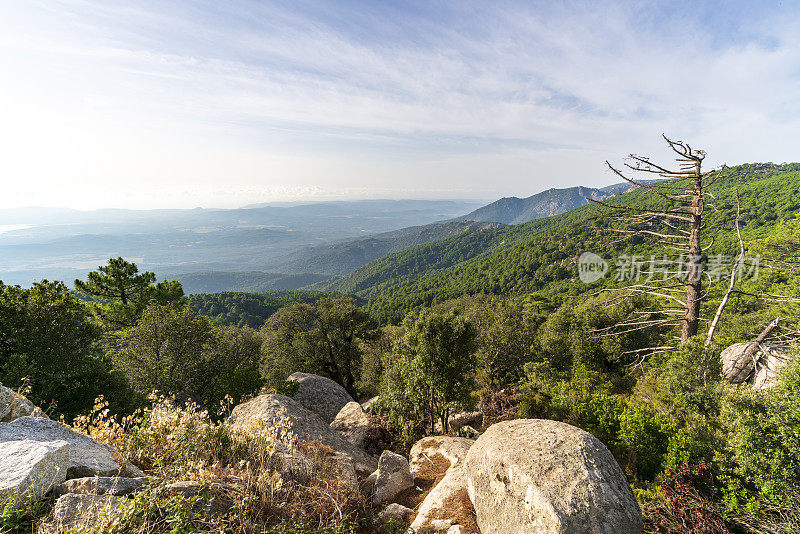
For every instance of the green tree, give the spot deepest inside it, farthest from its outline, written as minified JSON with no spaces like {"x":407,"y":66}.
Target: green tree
{"x":47,"y":339}
{"x":323,"y":338}
{"x":120,"y":292}
{"x":167,"y":351}
{"x":231,"y":361}
{"x":431,"y":377}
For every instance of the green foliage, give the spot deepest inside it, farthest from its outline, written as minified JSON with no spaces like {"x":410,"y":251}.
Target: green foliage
{"x":431,"y":377}
{"x":20,"y":515}
{"x":763,"y":428}
{"x":374,"y":352}
{"x":247,"y":309}
{"x":505,"y":337}
{"x":230,"y":364}
{"x":119,"y":292}
{"x":49,"y":343}
{"x":323,"y":338}
{"x":166,"y":351}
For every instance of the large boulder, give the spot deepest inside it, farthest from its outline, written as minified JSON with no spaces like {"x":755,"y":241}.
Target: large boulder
{"x":353,"y":423}
{"x":307,"y":426}
{"x":431,"y":451}
{"x":30,"y":469}
{"x":532,"y":475}
{"x":321,"y":395}
{"x":87,"y":457}
{"x":77,"y":512}
{"x":393,"y":478}
{"x":759,"y":366}
{"x":13,"y":406}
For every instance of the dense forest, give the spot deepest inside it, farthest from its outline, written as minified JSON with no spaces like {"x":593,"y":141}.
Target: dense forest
{"x":494,"y":319}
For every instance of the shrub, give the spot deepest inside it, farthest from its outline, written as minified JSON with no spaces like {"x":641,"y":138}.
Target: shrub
{"x":432,"y":375}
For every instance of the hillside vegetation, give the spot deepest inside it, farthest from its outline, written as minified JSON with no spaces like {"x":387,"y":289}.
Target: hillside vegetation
{"x":518,"y":259}
{"x":342,"y":258}
{"x":246,"y":309}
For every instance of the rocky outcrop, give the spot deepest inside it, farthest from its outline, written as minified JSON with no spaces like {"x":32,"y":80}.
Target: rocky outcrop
{"x":393,"y":477}
{"x":321,"y":395}
{"x":531,"y":475}
{"x":352,"y":423}
{"x":457,"y":420}
{"x":428,"y":450}
{"x":30,"y":469}
{"x":307,"y":426}
{"x":87,"y":457}
{"x":101,"y":486}
{"x":13,"y":406}
{"x":74,"y":511}
{"x":756,"y":365}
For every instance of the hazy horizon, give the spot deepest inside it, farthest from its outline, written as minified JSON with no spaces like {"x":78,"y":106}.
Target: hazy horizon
{"x":149,"y":105}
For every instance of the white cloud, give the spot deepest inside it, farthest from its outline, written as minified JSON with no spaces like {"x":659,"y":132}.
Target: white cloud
{"x":502,"y":101}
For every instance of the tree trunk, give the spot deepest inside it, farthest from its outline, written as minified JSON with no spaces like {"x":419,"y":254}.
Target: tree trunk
{"x":694,"y":285}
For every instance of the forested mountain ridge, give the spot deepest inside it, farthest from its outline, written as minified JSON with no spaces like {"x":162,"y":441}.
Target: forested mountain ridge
{"x":247,"y":281}
{"x":527,"y":257}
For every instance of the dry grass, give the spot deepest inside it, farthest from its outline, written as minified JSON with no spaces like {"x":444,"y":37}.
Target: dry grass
{"x":252,"y":480}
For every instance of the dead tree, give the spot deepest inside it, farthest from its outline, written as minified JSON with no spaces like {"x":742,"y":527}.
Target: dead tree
{"x":675,"y":278}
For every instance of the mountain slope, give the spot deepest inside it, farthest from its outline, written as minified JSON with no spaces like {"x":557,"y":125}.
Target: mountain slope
{"x":513,"y":210}
{"x":342,"y":258}
{"x":528,"y":257}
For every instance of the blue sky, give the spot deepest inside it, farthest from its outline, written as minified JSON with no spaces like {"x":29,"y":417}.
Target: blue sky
{"x":220,"y":104}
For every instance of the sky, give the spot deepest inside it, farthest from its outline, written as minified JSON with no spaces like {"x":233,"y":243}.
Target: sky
{"x":221,"y":104}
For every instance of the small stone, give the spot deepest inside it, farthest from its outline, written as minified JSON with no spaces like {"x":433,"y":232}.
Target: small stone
{"x":457,"y":529}
{"x":441,"y":524}
{"x":73,"y":511}
{"x":395,"y":514}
